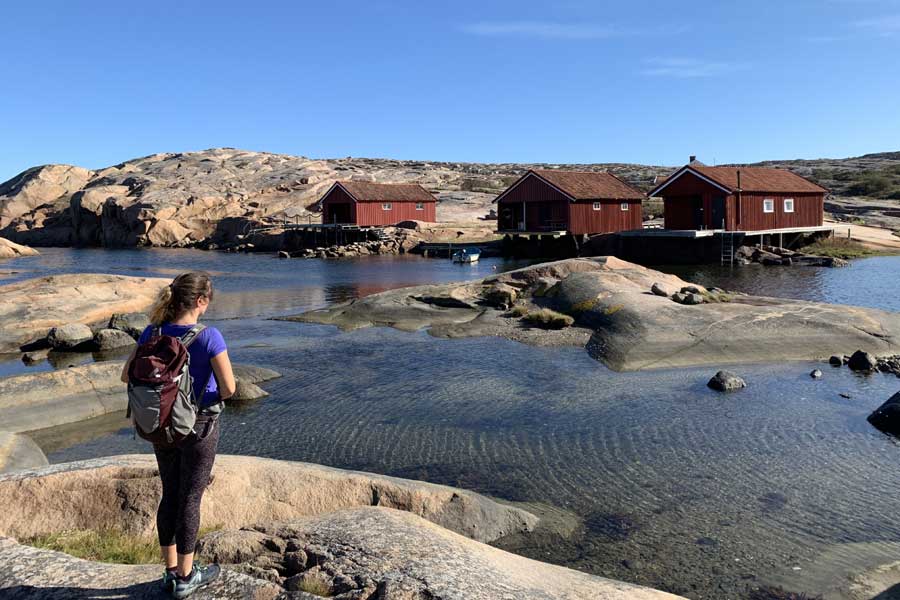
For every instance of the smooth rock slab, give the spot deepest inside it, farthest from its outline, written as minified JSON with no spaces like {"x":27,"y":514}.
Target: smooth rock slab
{"x":19,"y":451}
{"x":30,"y":308}
{"x":10,"y":249}
{"x":122,"y":492}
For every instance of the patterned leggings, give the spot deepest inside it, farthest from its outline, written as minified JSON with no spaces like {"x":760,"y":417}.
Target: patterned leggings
{"x":185,"y":472}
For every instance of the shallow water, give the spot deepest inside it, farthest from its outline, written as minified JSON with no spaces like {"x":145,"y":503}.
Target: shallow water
{"x":659,"y":480}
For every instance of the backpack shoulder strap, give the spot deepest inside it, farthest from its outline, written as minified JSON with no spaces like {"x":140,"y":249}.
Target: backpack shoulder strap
{"x":188,"y":338}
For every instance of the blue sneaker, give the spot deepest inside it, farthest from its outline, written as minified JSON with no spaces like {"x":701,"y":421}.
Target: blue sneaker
{"x":199,"y":577}
{"x":168,"y":581}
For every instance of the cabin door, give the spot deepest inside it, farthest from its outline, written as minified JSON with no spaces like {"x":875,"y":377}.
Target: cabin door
{"x":697,"y":210}
{"x":718,"y":213}
{"x":340,"y":213}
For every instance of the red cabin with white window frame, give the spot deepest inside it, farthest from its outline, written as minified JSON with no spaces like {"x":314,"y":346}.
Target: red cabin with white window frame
{"x":568,"y":203}
{"x":739,"y":199}
{"x":367,"y":204}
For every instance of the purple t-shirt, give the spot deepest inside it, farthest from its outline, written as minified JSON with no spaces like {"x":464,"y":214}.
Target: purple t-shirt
{"x":208,"y":344}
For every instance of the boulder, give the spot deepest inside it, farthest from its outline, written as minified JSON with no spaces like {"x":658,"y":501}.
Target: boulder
{"x":693,"y":299}
{"x":862,"y":361}
{"x":691,"y":289}
{"x":679,"y":297}
{"x":726,"y":381}
{"x":836,"y":361}
{"x":10,"y":249}
{"x":661,"y":289}
{"x":34,"y":306}
{"x":122,"y":492}
{"x":70,"y":336}
{"x":501,"y":295}
{"x":245,"y":390}
{"x":18,"y":451}
{"x":110,"y":339}
{"x":131,"y":323}
{"x":816,"y":374}
{"x":886,"y":417}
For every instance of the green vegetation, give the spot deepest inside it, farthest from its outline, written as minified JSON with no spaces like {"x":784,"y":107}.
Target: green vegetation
{"x":105,"y":545}
{"x":549,"y":319}
{"x":881,"y":183}
{"x":582,"y":306}
{"x":838,"y":247}
{"x":714,"y":297}
{"x":651,"y":206}
{"x":315,"y":586}
{"x":517,"y":312}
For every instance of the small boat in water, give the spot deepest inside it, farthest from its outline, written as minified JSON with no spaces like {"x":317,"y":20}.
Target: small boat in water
{"x":467,"y":255}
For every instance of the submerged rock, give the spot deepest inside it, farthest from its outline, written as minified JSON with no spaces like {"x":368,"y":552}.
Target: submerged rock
{"x":816,"y":374}
{"x":245,"y":390}
{"x":18,"y":451}
{"x":726,"y":381}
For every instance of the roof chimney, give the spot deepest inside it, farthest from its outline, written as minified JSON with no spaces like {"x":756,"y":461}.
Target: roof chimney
{"x":739,"y":180}
{"x":693,"y":158}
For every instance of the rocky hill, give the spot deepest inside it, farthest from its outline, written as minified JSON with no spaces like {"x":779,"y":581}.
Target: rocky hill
{"x":212,"y":196}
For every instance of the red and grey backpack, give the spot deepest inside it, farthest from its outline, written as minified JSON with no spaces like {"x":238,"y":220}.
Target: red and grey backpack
{"x":161,"y":401}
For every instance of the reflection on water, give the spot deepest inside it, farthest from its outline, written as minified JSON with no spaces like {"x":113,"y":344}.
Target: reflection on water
{"x":699,"y":493}
{"x":667,"y":483}
{"x":872,"y":282}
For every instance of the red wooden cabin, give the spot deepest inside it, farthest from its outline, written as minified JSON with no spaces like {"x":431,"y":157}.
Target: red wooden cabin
{"x":367,"y":204}
{"x":739,"y":199}
{"x":568,"y":202}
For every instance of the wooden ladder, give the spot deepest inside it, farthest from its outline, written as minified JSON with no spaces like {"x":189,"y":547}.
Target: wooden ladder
{"x":727,"y":255}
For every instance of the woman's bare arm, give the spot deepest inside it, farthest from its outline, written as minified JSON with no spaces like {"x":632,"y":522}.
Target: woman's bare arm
{"x":124,"y":376}
{"x":221,"y":366}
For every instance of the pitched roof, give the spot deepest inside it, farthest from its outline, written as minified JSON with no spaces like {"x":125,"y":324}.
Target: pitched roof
{"x":366,"y":191}
{"x":585,"y":185}
{"x":753,"y":179}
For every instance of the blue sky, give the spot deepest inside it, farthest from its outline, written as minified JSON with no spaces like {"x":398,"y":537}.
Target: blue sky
{"x":94,"y":83}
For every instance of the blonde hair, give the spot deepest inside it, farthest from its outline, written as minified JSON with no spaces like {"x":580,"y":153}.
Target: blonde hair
{"x":180,"y":296}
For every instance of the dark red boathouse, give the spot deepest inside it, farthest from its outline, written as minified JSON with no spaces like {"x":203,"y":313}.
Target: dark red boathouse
{"x":739,"y":199}
{"x":568,"y":203}
{"x":367,"y":204}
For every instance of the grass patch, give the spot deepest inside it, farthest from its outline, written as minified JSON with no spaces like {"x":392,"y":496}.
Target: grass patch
{"x":315,"y":586}
{"x":717,"y":296}
{"x":838,"y":247}
{"x":583,"y":306}
{"x":549,"y":319}
{"x":611,"y":310}
{"x":517,"y":312}
{"x":105,"y":545}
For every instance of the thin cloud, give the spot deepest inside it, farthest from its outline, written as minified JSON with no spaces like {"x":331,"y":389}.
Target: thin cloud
{"x":687,"y":68}
{"x":884,"y":25}
{"x":559,"y":31}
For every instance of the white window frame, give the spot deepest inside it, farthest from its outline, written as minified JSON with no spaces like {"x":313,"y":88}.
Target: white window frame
{"x":420,"y":206}
{"x":624,"y":207}
{"x":387,"y":206}
{"x":768,"y":205}
{"x":793,"y":204}
{"x":598,"y":205}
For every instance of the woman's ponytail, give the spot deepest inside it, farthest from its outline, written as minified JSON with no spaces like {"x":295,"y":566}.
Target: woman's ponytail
{"x":163,"y":309}
{"x":180,"y":296}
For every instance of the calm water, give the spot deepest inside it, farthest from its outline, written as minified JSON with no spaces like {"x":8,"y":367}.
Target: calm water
{"x":646,"y":477}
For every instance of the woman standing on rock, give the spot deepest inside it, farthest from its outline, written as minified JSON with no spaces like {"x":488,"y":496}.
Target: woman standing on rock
{"x":185,"y":461}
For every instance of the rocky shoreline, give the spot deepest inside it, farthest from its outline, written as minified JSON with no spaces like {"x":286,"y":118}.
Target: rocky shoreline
{"x":285,"y":527}
{"x":627,"y":324}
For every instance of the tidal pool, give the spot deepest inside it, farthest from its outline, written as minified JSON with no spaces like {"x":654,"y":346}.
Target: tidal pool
{"x":647,"y":477}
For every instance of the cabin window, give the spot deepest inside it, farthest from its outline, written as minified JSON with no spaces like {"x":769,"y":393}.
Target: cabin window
{"x":788,"y":205}
{"x":420,"y":206}
{"x":387,"y":206}
{"x":597,"y":206}
{"x":768,"y":205}
{"x":624,"y":206}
